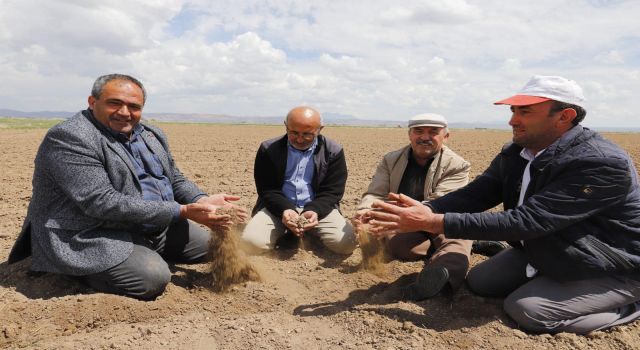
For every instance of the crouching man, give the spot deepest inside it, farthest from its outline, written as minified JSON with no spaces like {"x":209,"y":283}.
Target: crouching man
{"x":109,"y":204}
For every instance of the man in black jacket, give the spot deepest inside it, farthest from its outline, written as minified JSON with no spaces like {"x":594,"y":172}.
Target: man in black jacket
{"x":300,"y":178}
{"x":572,"y":215}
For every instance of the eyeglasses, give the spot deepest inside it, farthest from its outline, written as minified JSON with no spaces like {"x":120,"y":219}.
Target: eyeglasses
{"x":305,"y":135}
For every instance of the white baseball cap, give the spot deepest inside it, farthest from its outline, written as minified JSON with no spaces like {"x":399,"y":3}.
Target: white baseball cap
{"x":428,"y":119}
{"x":542,"y":88}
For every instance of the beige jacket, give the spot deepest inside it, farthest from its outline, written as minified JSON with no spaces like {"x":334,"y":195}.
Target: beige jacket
{"x":447,"y":172}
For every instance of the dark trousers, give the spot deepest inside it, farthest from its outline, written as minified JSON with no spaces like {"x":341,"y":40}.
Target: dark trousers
{"x":145,"y":273}
{"x":543,"y":305}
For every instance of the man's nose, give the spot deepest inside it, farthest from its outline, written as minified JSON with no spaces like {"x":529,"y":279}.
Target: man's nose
{"x":513,"y":120}
{"x":124,"y":110}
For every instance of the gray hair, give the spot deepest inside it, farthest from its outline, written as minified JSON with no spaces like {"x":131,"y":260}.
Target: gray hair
{"x":99,"y":84}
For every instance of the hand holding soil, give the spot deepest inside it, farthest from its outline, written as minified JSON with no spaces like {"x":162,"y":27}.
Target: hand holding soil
{"x":299,"y":223}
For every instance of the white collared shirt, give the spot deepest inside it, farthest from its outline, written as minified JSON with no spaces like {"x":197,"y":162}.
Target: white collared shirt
{"x":526,"y":178}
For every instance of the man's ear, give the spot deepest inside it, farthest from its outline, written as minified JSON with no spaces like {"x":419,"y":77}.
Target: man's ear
{"x":91,"y":100}
{"x":568,"y":115}
{"x":446,"y":136}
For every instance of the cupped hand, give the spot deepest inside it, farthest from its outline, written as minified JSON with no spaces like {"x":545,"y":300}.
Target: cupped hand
{"x":290,"y":219}
{"x":406,"y":215}
{"x":223,"y":200}
{"x":205,"y":214}
{"x":312,"y":220}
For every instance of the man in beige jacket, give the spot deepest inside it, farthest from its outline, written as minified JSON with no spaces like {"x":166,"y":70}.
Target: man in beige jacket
{"x":424,"y":170}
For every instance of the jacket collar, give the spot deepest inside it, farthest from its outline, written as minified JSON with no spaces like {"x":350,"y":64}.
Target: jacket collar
{"x":573,"y":136}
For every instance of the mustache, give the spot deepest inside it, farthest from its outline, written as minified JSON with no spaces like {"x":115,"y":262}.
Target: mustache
{"x":421,"y":142}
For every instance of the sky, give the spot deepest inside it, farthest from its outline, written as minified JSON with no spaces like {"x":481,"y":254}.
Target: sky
{"x":368,"y":59}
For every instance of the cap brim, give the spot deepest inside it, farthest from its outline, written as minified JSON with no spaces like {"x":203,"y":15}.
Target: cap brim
{"x":522,"y":100}
{"x":429,"y":125}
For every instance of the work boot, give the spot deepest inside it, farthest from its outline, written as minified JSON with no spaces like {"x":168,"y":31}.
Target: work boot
{"x":431,"y":280}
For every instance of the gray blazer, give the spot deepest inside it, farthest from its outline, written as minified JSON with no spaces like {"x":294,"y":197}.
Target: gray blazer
{"x":87,"y":201}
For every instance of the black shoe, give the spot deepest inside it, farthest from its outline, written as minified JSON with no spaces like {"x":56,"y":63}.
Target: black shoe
{"x":487,"y":248}
{"x":430,"y":281}
{"x":288,"y":241}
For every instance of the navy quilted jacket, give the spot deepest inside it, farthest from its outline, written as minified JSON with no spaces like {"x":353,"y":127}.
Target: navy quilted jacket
{"x":581,"y":213}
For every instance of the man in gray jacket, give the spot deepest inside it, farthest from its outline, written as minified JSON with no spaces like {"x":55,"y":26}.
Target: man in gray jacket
{"x":109,"y":204}
{"x":572,"y":215}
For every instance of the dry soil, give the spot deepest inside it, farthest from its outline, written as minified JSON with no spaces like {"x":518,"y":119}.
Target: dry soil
{"x":309,"y":299}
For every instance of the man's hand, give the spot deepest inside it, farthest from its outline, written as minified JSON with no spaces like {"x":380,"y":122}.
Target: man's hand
{"x":223,"y":200}
{"x":290,"y":220}
{"x":407,"y":215}
{"x":299,"y":223}
{"x":312,"y":220}
{"x":205,"y":214}
{"x":359,"y":220}
{"x":359,"y":216}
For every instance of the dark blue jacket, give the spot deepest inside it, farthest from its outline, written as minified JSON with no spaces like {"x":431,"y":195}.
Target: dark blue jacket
{"x":581,"y":213}
{"x":329,"y":177}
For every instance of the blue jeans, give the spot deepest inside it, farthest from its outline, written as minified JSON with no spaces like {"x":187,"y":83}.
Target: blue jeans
{"x":145,"y":273}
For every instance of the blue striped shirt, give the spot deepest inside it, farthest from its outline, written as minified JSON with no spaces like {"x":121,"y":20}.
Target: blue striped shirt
{"x":299,"y":174}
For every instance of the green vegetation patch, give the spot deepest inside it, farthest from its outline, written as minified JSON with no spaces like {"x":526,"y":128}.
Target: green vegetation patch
{"x":27,"y":123}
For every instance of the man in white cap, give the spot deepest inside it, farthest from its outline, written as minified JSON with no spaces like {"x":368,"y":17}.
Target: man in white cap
{"x":571,"y":212}
{"x":424,"y":170}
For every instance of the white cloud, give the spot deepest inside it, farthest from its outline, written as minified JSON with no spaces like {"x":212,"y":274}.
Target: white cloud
{"x":375,"y":58}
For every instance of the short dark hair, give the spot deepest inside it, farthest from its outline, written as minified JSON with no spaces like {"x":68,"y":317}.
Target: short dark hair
{"x":99,"y":84}
{"x":558,"y":106}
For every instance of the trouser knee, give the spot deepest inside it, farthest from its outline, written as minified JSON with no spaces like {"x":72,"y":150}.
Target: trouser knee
{"x":256,"y":242}
{"x":526,"y":312}
{"x":344,"y":247}
{"x":153,"y":282}
{"x":410,"y":246}
{"x":146,"y":281}
{"x":143,"y":275}
{"x":477,"y":283}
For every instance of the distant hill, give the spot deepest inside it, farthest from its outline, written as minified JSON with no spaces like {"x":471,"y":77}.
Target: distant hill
{"x":36,"y":115}
{"x":329,"y":119}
